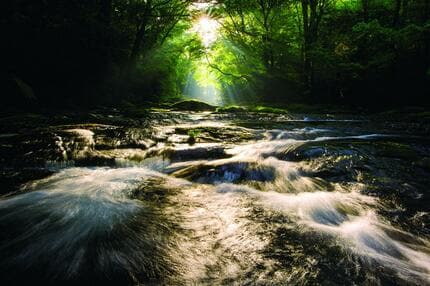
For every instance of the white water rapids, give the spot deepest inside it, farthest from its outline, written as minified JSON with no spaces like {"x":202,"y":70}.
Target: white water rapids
{"x":206,"y":221}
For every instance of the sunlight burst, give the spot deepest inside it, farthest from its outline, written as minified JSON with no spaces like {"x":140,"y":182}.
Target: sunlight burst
{"x":207,"y":28}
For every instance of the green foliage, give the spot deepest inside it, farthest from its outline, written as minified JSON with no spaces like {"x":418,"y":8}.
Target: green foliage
{"x":370,"y":52}
{"x":169,"y":65}
{"x":349,"y":52}
{"x":266,"y":109}
{"x":232,"y":109}
{"x":194,"y":133}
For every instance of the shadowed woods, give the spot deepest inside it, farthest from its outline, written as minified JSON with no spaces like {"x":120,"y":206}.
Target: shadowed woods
{"x":108,"y":52}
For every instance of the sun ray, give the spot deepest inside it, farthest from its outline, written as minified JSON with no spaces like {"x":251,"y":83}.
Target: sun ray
{"x":207,"y":28}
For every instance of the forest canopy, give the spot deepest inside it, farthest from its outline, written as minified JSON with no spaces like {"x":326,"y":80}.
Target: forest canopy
{"x":77,"y":53}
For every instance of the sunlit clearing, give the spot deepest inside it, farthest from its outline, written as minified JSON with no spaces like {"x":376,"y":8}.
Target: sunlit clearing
{"x":207,"y":28}
{"x":203,"y":85}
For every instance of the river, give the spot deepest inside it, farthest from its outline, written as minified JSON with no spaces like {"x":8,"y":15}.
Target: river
{"x":216,"y":199}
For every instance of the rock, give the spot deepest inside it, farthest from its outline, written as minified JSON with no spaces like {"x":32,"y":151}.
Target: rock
{"x":216,"y":134}
{"x":423,"y":163}
{"x":396,"y":150}
{"x":232,"y":109}
{"x":232,"y":172}
{"x":195,"y":153}
{"x":193,"y":105}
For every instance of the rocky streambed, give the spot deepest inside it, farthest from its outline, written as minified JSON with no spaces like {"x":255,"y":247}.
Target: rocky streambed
{"x":183,"y":198}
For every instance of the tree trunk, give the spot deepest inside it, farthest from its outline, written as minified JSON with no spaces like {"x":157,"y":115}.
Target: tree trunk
{"x":404,"y":12}
{"x":305,"y":52}
{"x":267,"y":45}
{"x":311,"y":19}
{"x":106,"y":12}
{"x":140,"y":35}
{"x":365,"y":6}
{"x":426,"y":11}
{"x":397,"y":10}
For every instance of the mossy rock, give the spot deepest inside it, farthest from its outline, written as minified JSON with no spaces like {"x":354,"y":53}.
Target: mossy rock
{"x":396,"y":150}
{"x":232,"y":109}
{"x":234,"y":172}
{"x":216,"y":134}
{"x":266,"y":109}
{"x":193,"y":105}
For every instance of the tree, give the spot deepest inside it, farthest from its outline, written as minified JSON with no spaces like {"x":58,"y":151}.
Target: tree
{"x":154,"y":20}
{"x":312,"y":14}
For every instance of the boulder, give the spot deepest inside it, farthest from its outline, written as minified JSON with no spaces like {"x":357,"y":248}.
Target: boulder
{"x":193,"y":105}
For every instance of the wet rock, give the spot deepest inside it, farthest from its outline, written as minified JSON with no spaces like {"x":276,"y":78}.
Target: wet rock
{"x":421,"y":222}
{"x":395,"y":150}
{"x":30,"y":149}
{"x":18,"y":122}
{"x":191,"y":140}
{"x":83,"y":144}
{"x":423,"y":163}
{"x":154,"y":190}
{"x":193,"y":153}
{"x":336,"y":169}
{"x":95,"y":160}
{"x":114,"y":137}
{"x":217,"y":134}
{"x":12,"y":179}
{"x":229,"y":172}
{"x":313,"y":150}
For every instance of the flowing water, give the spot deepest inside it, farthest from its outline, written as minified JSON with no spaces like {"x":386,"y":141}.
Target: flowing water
{"x":216,"y":199}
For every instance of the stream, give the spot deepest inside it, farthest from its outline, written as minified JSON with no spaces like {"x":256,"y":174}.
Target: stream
{"x":216,"y":199}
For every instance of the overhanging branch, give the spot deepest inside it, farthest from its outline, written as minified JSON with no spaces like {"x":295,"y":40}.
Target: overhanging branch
{"x":215,"y":67}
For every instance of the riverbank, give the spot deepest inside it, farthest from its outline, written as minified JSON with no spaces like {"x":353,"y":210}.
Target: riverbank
{"x":411,"y":119}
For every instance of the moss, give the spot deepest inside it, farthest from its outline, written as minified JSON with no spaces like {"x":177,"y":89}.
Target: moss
{"x":232,"y":109}
{"x":193,"y":134}
{"x":292,"y":108}
{"x":396,"y":150}
{"x":215,"y":134}
{"x":267,"y":109}
{"x":158,"y":109}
